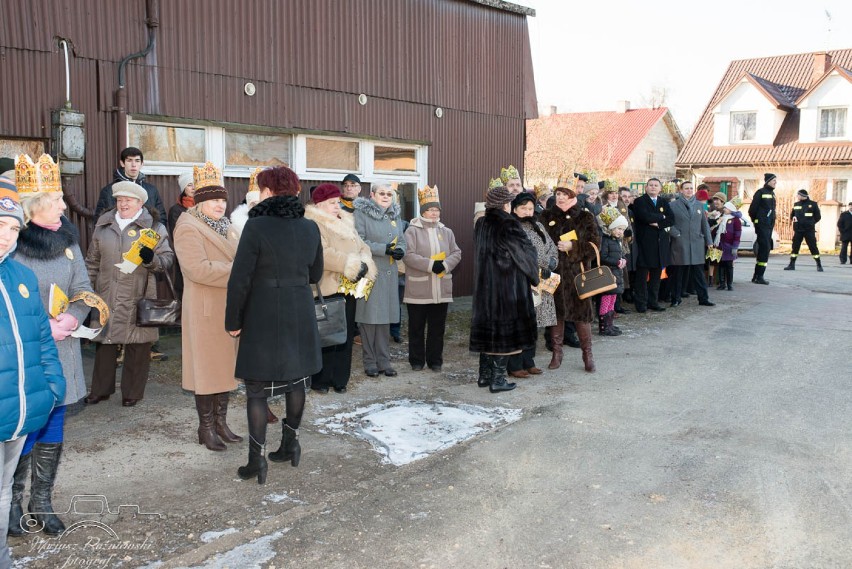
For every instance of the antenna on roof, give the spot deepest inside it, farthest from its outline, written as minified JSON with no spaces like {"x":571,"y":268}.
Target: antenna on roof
{"x":828,"y":36}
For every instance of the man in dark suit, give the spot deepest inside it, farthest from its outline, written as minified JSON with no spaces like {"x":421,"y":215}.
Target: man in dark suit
{"x":652,"y":218}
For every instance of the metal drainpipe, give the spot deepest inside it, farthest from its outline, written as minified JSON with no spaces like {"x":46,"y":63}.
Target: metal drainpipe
{"x":152,"y":21}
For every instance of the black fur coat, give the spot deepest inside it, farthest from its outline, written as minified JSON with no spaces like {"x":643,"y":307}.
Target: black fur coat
{"x":505,"y":267}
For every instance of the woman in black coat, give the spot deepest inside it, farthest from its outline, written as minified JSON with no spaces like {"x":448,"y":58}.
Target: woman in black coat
{"x":505,"y":268}
{"x":270,"y":308}
{"x":560,"y":219}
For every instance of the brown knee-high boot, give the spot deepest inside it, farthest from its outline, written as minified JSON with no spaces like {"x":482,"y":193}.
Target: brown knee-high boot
{"x":221,"y":416}
{"x":584,"y":332}
{"x":205,"y":405}
{"x":557,"y":335}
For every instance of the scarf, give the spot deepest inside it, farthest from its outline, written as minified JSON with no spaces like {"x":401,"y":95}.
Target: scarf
{"x":722,"y":226}
{"x":123,"y":223}
{"x":220,"y":225}
{"x":50,"y":226}
{"x":186,"y":201}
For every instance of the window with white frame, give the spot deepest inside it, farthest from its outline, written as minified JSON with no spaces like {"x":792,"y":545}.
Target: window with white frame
{"x":251,"y":150}
{"x":171,"y":144}
{"x":649,"y":160}
{"x":840,"y":191}
{"x":749,"y":187}
{"x":332,"y":154}
{"x":832,"y":123}
{"x":743,"y":126}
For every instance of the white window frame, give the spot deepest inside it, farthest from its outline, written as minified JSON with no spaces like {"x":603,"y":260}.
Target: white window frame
{"x":732,"y":130}
{"x":843,"y":136}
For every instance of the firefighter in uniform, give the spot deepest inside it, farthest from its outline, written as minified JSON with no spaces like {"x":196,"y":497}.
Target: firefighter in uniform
{"x":762,"y":214}
{"x":805,"y":215}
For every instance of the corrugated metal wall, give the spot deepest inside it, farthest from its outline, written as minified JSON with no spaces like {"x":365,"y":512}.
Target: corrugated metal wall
{"x":309,"y":60}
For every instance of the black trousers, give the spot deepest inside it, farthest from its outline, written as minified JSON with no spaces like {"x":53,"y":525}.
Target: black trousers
{"x":763,"y":236}
{"x":524,"y":360}
{"x":686,"y":275}
{"x":809,"y":236}
{"x":337,"y":360}
{"x":426,"y":326}
{"x":844,"y":247}
{"x":647,"y":287}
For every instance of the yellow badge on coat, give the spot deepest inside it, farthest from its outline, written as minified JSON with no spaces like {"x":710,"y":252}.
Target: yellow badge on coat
{"x":131,"y":233}
{"x":25,"y":292}
{"x":661,"y":209}
{"x":552,"y":223}
{"x":70,"y":254}
{"x":393,"y":222}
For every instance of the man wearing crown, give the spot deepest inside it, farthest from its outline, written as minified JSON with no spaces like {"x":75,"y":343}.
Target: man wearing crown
{"x":130,"y":170}
{"x":511,"y":178}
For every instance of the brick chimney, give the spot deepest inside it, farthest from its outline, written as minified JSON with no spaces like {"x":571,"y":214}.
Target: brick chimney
{"x":622,"y":106}
{"x":822,"y":61}
{"x":552,"y":109}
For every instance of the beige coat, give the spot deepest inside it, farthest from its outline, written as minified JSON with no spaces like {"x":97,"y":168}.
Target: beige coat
{"x":426,"y":239}
{"x":342,"y":249}
{"x":209,"y":352}
{"x":121,"y":292}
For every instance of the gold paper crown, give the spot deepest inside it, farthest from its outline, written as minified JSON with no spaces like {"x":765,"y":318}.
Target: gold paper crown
{"x":495,"y":183}
{"x":510,"y":173}
{"x":206,"y":176}
{"x":42,"y":176}
{"x":428,"y":195}
{"x":253,"y":187}
{"x":542,"y":190}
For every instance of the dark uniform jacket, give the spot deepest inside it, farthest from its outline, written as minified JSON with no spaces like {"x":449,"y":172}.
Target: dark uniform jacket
{"x":762,"y":209}
{"x":805,"y":214}
{"x":844,"y":224}
{"x":652,"y":243}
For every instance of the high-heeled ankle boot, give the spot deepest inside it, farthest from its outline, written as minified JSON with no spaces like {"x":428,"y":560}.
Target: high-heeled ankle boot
{"x":19,"y":483}
{"x":220,"y":408}
{"x":257,"y":465}
{"x":45,"y":463}
{"x":290,"y":448}
{"x":206,"y":407}
{"x":584,"y":331}
{"x":486,"y":372}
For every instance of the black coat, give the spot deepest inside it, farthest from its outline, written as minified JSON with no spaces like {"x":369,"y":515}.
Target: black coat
{"x":106,"y":201}
{"x":762,"y":209}
{"x":844,"y":224}
{"x":505,"y":267}
{"x":807,"y":215}
{"x":611,"y":254}
{"x":269,"y":297}
{"x":652,"y":243}
{"x":557,"y":222}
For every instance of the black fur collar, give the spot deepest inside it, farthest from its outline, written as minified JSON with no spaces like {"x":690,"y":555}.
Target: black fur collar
{"x":279,"y":206}
{"x":43,"y":244}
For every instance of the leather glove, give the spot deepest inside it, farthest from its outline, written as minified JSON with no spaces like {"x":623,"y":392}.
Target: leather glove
{"x":362,"y":273}
{"x":147,"y":255}
{"x":389,"y":249}
{"x":545,"y":274}
{"x":554,"y":262}
{"x":628,"y":233}
{"x":397,"y":254}
{"x":438,"y":267}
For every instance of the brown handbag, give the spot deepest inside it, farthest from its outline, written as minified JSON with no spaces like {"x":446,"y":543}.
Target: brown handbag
{"x":595,"y":280}
{"x":156,"y":312}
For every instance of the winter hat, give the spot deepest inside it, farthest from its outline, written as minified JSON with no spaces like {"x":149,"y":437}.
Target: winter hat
{"x":702,"y":195}
{"x":128,"y":189}
{"x":612,"y":218}
{"x":10,"y":202}
{"x":803,"y":193}
{"x":768,"y":178}
{"x":730,"y":207}
{"x":588,"y":186}
{"x":184,"y":180}
{"x":581,"y":177}
{"x":497,"y":197}
{"x":521,"y":199}
{"x":351,"y":178}
{"x":325,"y":192}
{"x":720,"y":196}
{"x":6,"y":164}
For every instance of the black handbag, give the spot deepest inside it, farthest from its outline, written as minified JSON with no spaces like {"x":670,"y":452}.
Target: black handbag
{"x":156,"y":312}
{"x":595,"y":280}
{"x":331,"y":319}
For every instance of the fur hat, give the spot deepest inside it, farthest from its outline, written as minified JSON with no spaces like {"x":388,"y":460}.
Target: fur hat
{"x":521,"y":199}
{"x":497,"y":197}
{"x":768,"y":178}
{"x":803,"y":193}
{"x":10,"y":202}
{"x":128,"y":189}
{"x":720,"y":196}
{"x":325,"y":192}
{"x":184,"y":180}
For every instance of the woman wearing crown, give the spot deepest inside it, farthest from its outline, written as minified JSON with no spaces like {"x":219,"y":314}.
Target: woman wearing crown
{"x":50,"y":246}
{"x":206,"y":244}
{"x":430,"y":258}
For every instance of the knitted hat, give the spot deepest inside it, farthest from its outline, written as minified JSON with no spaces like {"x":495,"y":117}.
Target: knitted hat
{"x":730,"y":207}
{"x":702,"y":195}
{"x":497,"y":197}
{"x":589,"y":186}
{"x":803,"y":193}
{"x":351,"y":178}
{"x":184,"y":180}
{"x":10,"y":203}
{"x":720,"y":196}
{"x":768,"y":177}
{"x":128,"y":189}
{"x":325,"y":192}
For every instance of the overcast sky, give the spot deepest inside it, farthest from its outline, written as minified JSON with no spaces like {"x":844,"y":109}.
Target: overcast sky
{"x":589,"y":54}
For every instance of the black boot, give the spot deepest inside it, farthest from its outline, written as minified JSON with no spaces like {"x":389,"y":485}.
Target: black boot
{"x":19,"y":482}
{"x":220,"y":408}
{"x":758,"y":275}
{"x":819,"y":265}
{"x":792,"y":265}
{"x":485,"y":370}
{"x":45,"y":463}
{"x":290,"y":448}
{"x":548,"y":344}
{"x":257,"y":465}
{"x":498,"y":382}
{"x":609,"y":328}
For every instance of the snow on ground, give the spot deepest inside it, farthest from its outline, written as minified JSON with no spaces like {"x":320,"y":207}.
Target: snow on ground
{"x":247,"y":556}
{"x":404,"y":431}
{"x":209,"y":536}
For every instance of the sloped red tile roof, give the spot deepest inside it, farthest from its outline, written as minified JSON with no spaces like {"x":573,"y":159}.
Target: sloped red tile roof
{"x":789,"y":77}
{"x":611,"y":136}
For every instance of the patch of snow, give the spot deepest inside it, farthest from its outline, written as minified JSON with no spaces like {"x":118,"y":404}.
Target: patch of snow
{"x":247,"y":556}
{"x":278,"y":498}
{"x":209,"y":536}
{"x":404,"y":431}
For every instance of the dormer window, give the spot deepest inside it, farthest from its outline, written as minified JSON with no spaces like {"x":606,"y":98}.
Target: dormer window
{"x":832,"y":123}
{"x":743,"y":126}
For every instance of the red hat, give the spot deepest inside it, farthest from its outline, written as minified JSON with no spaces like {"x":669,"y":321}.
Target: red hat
{"x":325,"y":192}
{"x":702,"y":195}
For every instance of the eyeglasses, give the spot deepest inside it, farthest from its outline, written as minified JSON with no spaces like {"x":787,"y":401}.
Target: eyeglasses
{"x":384,"y":194}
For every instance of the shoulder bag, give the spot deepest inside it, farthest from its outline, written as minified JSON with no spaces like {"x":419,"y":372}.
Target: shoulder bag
{"x":156,"y":312}
{"x":331,"y":319}
{"x":595,"y":280}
